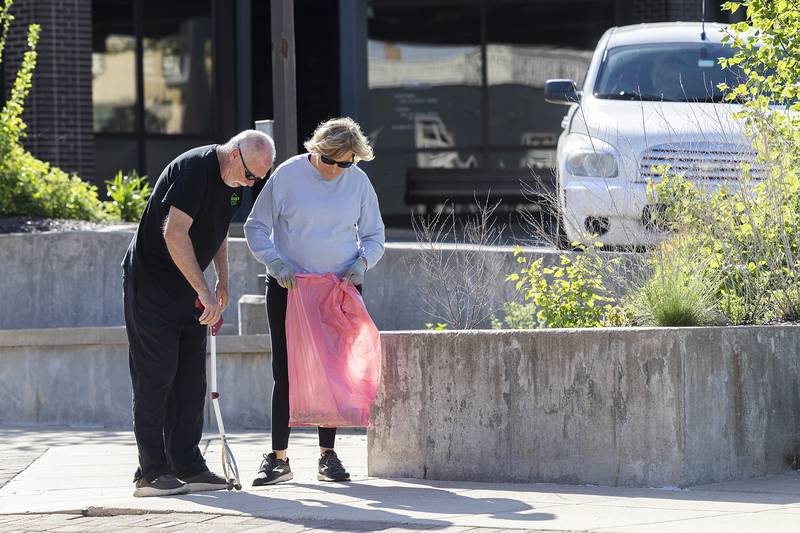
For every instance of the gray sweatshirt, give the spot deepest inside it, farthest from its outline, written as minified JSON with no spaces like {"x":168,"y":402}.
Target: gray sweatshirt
{"x":315,"y":225}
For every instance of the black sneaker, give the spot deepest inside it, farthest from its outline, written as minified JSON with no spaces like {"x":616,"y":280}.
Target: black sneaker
{"x":206,"y":481}
{"x":273,"y":470}
{"x":331,"y":469}
{"x":163,"y":485}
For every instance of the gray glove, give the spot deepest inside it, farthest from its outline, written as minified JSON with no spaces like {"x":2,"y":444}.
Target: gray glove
{"x":355,"y":274}
{"x":281,"y":272}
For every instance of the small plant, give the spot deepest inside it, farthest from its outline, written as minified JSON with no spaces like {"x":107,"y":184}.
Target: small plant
{"x":785,"y":304}
{"x":517,"y":316}
{"x":129,"y":194}
{"x":679,"y":291}
{"x":439,"y":326}
{"x":571,"y":295}
{"x":456,"y":266}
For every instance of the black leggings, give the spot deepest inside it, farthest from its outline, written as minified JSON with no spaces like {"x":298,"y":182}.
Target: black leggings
{"x":276,"y":315}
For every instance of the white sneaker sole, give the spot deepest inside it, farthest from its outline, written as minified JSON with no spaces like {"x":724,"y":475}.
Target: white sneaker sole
{"x":323,"y":477}
{"x":147,"y":492}
{"x":280,"y":479}
{"x":204,"y":487}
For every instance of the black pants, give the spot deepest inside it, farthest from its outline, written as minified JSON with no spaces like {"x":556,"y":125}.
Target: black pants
{"x":276,"y":315}
{"x":167,"y":360}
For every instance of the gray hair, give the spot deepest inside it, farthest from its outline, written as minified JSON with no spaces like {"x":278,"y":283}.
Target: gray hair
{"x":254,"y":140}
{"x":337,"y":136}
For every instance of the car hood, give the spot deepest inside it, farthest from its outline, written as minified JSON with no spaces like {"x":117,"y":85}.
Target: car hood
{"x":641,"y":124}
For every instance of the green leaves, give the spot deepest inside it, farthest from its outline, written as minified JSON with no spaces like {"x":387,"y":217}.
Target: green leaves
{"x":569,"y":295}
{"x":129,"y":194}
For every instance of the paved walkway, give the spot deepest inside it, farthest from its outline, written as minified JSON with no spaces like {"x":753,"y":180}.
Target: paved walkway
{"x":80,"y":480}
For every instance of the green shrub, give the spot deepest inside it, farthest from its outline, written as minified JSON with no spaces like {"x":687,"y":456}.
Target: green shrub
{"x":571,"y":295}
{"x":679,"y":291}
{"x":744,"y":236}
{"x":129,"y":194}
{"x":31,"y":187}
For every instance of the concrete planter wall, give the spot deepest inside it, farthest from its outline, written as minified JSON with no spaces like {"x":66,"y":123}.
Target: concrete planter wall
{"x":74,"y":279}
{"x":80,"y":377}
{"x":631,"y":407}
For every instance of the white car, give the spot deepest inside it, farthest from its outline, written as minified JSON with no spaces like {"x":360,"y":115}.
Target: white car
{"x":650,"y":98}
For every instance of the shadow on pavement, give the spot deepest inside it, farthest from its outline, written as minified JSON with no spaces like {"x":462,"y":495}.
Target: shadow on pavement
{"x":385,"y":504}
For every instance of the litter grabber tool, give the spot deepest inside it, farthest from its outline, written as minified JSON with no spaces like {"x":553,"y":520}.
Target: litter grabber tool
{"x":229,"y":468}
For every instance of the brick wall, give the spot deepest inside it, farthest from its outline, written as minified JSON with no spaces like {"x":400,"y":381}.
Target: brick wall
{"x":670,"y":10}
{"x":648,"y":11}
{"x":59,"y":108}
{"x":690,"y":10}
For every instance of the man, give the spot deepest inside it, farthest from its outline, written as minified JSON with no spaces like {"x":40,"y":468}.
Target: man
{"x":183,"y":228}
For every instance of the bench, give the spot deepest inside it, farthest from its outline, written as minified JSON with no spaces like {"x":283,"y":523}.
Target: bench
{"x":430,"y":187}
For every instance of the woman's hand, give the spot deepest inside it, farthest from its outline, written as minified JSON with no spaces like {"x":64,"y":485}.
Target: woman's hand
{"x":355,"y":274}
{"x":281,"y":272}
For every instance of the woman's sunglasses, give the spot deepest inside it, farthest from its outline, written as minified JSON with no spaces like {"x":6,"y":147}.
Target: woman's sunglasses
{"x":341,"y":164}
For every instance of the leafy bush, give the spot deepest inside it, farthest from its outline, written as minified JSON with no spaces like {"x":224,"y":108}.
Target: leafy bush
{"x":129,"y":194}
{"x":31,"y":187}
{"x":744,"y":236}
{"x":571,"y":295}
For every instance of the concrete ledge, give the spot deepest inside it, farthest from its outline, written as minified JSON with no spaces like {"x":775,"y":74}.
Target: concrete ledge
{"x":83,"y":288}
{"x":629,"y":407}
{"x":80,"y":377}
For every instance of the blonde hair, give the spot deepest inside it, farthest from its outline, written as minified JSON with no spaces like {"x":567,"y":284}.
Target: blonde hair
{"x":337,"y":136}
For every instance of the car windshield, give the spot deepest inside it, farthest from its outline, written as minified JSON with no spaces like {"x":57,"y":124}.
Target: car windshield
{"x":671,"y":72}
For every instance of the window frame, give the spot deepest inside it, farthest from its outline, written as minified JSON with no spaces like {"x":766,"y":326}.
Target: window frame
{"x":140,"y":135}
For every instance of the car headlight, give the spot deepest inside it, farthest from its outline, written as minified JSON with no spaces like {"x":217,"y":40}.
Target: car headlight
{"x":592,"y":164}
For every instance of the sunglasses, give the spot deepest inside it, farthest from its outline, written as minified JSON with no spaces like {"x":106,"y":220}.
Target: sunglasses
{"x":341,"y":164}
{"x":247,"y":174}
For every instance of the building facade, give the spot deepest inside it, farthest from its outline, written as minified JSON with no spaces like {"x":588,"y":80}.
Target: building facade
{"x":130,"y":84}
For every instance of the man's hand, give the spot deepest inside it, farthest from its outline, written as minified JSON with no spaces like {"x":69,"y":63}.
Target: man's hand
{"x":222,"y":294}
{"x":281,"y":272}
{"x":355,"y":274}
{"x":213,"y":310}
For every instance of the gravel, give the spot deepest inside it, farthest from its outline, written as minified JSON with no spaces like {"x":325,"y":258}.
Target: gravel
{"x":40,"y":225}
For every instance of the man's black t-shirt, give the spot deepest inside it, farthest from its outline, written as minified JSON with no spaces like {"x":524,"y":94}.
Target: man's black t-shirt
{"x":191,"y":183}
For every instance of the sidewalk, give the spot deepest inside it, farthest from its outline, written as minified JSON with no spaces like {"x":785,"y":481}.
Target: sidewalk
{"x":80,"y":480}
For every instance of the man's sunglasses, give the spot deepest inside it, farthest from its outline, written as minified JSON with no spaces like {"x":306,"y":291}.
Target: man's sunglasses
{"x":247,"y":174}
{"x":341,"y":164}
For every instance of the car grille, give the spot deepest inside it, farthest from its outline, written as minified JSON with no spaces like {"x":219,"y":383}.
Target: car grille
{"x":700,"y":161}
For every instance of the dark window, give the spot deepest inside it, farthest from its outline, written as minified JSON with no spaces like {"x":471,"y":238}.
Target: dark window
{"x":425,"y":79}
{"x":113,"y":155}
{"x":527,"y":44}
{"x":155,"y":81}
{"x":113,"y":66}
{"x":317,"y":64}
{"x":178,"y":66}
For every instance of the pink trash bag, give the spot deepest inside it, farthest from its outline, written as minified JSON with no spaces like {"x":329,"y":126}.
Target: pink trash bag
{"x":334,"y":352}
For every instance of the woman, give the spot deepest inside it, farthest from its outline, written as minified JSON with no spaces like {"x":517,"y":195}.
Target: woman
{"x":318,"y":213}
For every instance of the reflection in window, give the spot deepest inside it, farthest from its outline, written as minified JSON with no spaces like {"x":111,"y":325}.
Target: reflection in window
{"x":425,"y":79}
{"x":177,"y":66}
{"x":113,"y":66}
{"x":539,"y":160}
{"x":530,"y":43}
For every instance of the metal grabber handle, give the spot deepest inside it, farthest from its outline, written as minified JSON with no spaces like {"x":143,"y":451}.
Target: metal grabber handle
{"x":229,"y":467}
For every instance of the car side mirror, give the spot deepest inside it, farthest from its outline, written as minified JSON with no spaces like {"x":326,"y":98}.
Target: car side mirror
{"x":561,"y":92}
